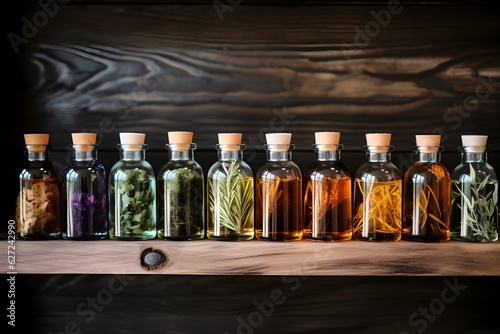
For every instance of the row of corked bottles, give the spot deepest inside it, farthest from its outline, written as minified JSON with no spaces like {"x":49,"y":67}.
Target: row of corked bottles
{"x":426,"y":204}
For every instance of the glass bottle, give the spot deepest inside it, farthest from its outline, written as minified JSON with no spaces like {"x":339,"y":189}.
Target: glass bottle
{"x":132,"y":191}
{"x":85,"y":197}
{"x":377,"y":193}
{"x":278,"y":214}
{"x":327,"y":199}
{"x":427,"y":194}
{"x":474,"y":193}
{"x":38,"y":213}
{"x":181,"y":191}
{"x":230,"y":192}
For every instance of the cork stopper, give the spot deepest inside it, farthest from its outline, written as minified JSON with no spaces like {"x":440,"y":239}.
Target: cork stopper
{"x":230,"y":141}
{"x":132,"y":141}
{"x":428,"y":143}
{"x":327,"y":140}
{"x":36,"y":141}
{"x":180,"y":140}
{"x":379,"y":142}
{"x":474,"y":143}
{"x":84,"y":142}
{"x":280,"y":140}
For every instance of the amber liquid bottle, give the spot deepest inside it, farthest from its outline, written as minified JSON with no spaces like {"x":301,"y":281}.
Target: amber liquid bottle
{"x":378,"y":193}
{"x":278,"y":214}
{"x":327,"y":200}
{"x":427,"y":194}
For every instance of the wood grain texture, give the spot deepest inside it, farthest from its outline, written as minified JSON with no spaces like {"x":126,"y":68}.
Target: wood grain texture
{"x":298,"y":69}
{"x":208,"y":257}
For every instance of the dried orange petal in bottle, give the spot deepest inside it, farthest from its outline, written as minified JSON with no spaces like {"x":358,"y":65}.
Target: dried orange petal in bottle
{"x":377,"y":193}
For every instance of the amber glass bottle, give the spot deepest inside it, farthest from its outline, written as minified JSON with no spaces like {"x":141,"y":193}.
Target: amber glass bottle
{"x":427,"y":194}
{"x":378,"y":193}
{"x":327,"y":199}
{"x":278,"y":214}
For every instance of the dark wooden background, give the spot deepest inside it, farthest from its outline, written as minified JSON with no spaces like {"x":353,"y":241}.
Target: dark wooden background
{"x":299,"y":67}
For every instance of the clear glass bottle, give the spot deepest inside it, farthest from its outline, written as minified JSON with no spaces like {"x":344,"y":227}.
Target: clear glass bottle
{"x":181,"y":197}
{"x":278,"y":198}
{"x":132,"y":191}
{"x":377,"y":193}
{"x":474,"y":193}
{"x":327,"y":199}
{"x":38,"y":213}
{"x":427,"y":194}
{"x":85,"y":192}
{"x":230,"y":192}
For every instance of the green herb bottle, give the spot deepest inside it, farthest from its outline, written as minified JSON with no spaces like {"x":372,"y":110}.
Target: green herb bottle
{"x":474,"y":193}
{"x":181,"y":198}
{"x":132,"y":192}
{"x":38,"y":212}
{"x":427,"y":194}
{"x":230,"y":192}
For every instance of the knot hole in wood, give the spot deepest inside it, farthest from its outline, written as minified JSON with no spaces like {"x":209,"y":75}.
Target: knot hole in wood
{"x":153,"y":259}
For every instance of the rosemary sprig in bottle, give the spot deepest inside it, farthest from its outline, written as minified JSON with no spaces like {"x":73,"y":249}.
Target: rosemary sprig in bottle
{"x":231,"y":199}
{"x":479,"y":210}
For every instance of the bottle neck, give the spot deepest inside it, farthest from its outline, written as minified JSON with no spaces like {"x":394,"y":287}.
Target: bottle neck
{"x":181,"y":155}
{"x":378,"y":156}
{"x":468,"y":157}
{"x":84,"y":155}
{"x":36,"y":156}
{"x":226,"y":155}
{"x":279,"y":155}
{"x":332,"y":155}
{"x":279,"y":152}
{"x":127,"y":155}
{"x":433,"y":157}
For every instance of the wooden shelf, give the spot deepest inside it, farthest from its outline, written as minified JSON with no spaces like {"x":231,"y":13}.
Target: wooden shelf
{"x":209,"y":257}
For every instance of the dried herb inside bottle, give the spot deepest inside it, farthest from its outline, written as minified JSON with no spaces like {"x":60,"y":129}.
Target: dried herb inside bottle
{"x":184,"y":203}
{"x":231,"y":199}
{"x":136,"y":204}
{"x":476,"y":203}
{"x":85,"y":209}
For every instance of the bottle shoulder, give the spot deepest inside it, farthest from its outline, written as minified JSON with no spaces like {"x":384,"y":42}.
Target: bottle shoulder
{"x":281,"y":169}
{"x":378,"y":171}
{"x":480,"y":169}
{"x":82,"y":165}
{"x":429,"y":170}
{"x":38,"y":170}
{"x":333,"y":169}
{"x":131,"y":165}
